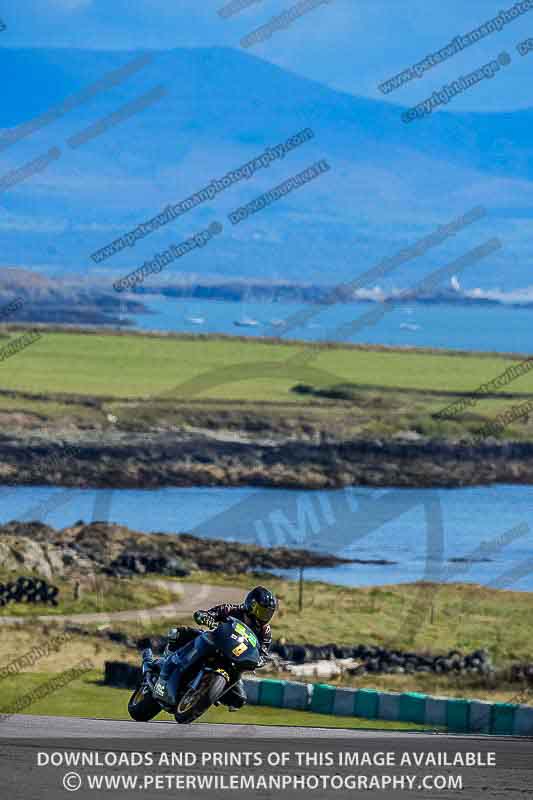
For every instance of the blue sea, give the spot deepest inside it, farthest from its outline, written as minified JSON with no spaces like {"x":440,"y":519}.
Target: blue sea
{"x":499,"y":328}
{"x":421,"y":530}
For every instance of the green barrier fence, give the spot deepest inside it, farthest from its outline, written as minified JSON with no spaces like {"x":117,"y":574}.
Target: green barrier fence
{"x":458,"y":715}
{"x":413,"y":707}
{"x":323,"y":698}
{"x":502,"y":723}
{"x":271,"y":693}
{"x":366,"y":703}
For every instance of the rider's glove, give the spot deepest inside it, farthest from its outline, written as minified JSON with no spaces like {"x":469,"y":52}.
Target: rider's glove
{"x":203,"y":618}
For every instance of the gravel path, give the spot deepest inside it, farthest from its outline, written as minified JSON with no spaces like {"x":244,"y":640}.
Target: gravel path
{"x":192,"y":596}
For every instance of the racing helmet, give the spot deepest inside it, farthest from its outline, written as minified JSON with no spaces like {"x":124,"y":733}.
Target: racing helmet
{"x":260,"y":604}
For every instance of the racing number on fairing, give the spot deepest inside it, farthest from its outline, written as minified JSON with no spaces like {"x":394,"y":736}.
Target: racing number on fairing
{"x":240,"y":649}
{"x":248,"y":635}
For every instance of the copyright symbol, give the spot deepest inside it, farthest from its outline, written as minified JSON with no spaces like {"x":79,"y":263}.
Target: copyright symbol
{"x":72,"y":781}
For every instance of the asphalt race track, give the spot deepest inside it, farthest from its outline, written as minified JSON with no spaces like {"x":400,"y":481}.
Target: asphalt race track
{"x":27,"y":726}
{"x":25,"y":739}
{"x":24,"y":726}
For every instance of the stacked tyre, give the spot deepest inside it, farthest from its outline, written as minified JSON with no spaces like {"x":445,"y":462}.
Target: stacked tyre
{"x":28,"y":590}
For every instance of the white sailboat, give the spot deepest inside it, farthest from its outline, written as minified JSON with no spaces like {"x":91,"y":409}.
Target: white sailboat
{"x":246,"y":321}
{"x":193,"y":319}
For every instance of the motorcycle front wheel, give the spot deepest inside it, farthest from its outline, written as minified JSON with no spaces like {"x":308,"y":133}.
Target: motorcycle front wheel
{"x":142,"y":706}
{"x":195,"y":702}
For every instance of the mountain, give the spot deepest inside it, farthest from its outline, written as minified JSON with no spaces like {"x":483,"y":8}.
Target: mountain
{"x":388,"y":185}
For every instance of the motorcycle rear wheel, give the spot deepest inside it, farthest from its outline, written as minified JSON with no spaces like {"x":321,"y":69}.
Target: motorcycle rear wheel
{"x":142,"y":707}
{"x":195,"y":702}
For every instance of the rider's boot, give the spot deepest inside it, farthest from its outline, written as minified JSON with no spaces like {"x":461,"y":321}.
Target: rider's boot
{"x":161,"y":686}
{"x":168,"y":666}
{"x":147,"y":660}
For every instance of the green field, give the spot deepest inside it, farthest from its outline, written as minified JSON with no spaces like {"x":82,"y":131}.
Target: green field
{"x":88,"y":697}
{"x":223,"y":380}
{"x":144,"y":366}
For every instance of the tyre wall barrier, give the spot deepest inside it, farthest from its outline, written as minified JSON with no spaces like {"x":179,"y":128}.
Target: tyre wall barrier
{"x":458,"y":715}
{"x":373,"y":659}
{"x":28,"y":590}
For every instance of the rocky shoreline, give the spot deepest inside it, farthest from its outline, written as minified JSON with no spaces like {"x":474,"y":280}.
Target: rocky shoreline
{"x":153,"y":460}
{"x":84,"y":550}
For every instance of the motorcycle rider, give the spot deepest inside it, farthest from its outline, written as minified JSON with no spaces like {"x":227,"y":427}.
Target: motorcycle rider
{"x":256,"y":612}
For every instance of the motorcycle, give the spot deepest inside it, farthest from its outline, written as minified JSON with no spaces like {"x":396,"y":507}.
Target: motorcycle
{"x":232,"y":648}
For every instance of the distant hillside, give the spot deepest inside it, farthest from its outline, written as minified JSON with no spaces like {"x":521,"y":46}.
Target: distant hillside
{"x":26,"y":296}
{"x":389,"y":182}
{"x":277,"y":292}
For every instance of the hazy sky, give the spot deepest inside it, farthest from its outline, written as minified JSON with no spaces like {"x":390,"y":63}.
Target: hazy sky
{"x":352,"y":45}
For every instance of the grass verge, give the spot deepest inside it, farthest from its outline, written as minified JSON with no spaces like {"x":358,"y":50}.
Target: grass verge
{"x":88,"y":698}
